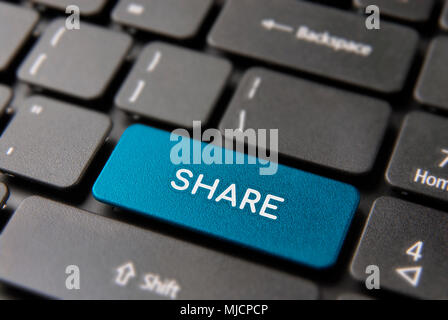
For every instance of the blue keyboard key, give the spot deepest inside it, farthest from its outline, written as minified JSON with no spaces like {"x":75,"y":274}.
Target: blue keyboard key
{"x":292,"y":214}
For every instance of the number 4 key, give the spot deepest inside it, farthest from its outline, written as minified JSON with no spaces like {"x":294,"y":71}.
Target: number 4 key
{"x":394,"y":224}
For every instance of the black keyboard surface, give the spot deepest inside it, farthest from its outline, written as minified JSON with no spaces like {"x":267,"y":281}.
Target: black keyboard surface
{"x":363,"y":107}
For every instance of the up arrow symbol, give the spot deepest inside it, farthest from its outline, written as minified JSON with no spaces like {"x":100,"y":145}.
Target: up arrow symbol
{"x":410,"y":274}
{"x":125,"y":273}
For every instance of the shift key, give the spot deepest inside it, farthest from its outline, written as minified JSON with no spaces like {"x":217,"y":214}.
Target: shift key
{"x":261,"y":205}
{"x":63,"y":252}
{"x":318,"y":40}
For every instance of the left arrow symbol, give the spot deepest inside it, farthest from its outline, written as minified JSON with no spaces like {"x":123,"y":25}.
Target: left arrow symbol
{"x":270,"y":24}
{"x":410,"y":274}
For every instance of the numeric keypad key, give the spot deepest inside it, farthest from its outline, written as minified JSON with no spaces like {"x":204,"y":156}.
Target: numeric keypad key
{"x":419,"y":163}
{"x":409,"y":245}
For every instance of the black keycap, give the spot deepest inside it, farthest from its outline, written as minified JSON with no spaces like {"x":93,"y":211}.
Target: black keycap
{"x":434,"y":76}
{"x":353,"y":296}
{"x":79,"y":63}
{"x":419,"y":163}
{"x":173,"y":18}
{"x":316,"y":123}
{"x":4,"y":193}
{"x":118,"y":261}
{"x":407,"y":10}
{"x":173,"y":84}
{"x":16,"y":25}
{"x":444,"y":17}
{"x":5,"y":96}
{"x":408,"y":243}
{"x":317,"y":39}
{"x":87,"y":7}
{"x":52,"y":142}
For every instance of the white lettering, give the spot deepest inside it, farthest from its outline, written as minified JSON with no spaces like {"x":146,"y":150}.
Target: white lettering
{"x":425,"y":178}
{"x":185,"y":181}
{"x":224,"y":196}
{"x":205,"y":186}
{"x":266,"y":204}
{"x":251,"y":202}
{"x":335,"y":43}
{"x":250,"y":197}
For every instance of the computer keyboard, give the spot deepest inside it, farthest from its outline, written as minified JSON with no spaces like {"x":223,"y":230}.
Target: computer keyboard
{"x":87,"y":181}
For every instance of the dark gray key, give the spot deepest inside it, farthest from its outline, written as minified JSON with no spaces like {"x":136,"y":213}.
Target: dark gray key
{"x":407,"y":10}
{"x":16,"y":24}
{"x":118,"y":261}
{"x":79,"y":63}
{"x":319,"y":124}
{"x":434,"y":76}
{"x":353,"y":296}
{"x":444,"y":17}
{"x":52,"y":142}
{"x":420,"y":160}
{"x":173,"y":18}
{"x":5,"y":97}
{"x":408,"y":243}
{"x":317,"y":39}
{"x":86,"y":7}
{"x":173,"y":84}
{"x":4,"y":193}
